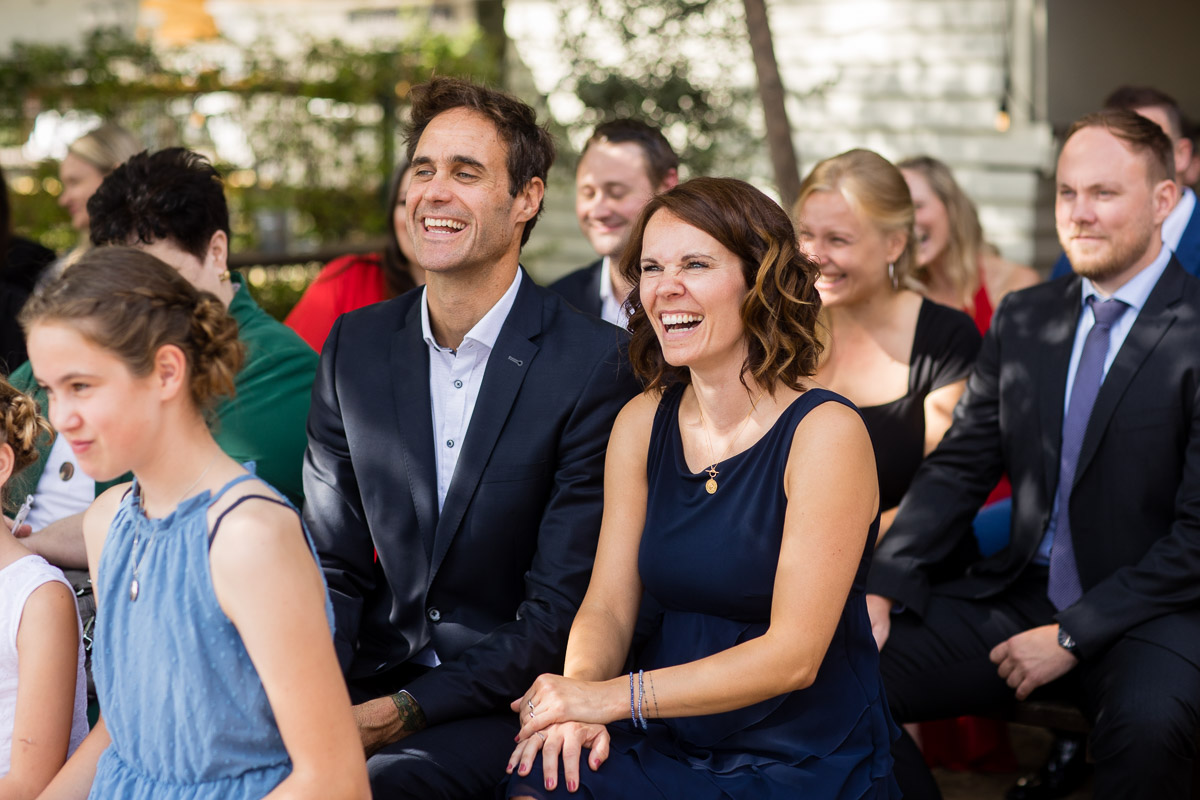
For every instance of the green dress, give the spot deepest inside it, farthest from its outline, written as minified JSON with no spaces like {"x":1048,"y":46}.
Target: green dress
{"x":263,"y":422}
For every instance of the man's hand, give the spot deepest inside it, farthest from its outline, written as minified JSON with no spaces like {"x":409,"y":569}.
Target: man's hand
{"x":379,"y":724}
{"x":879,"y":608}
{"x":1031,"y":659}
{"x":24,"y":530}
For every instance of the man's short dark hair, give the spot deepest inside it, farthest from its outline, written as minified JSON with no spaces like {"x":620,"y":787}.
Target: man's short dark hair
{"x":530,"y":146}
{"x":1141,"y":134}
{"x":1132,"y":98}
{"x":173,"y":194}
{"x":660,"y":158}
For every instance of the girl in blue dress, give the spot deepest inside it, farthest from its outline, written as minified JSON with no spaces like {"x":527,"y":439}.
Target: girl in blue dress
{"x":741,"y":502}
{"x":213,"y":658}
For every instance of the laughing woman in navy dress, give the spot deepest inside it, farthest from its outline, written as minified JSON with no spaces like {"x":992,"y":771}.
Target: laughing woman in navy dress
{"x":741,"y":499}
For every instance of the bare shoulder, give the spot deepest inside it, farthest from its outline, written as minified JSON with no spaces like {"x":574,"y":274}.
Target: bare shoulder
{"x":832,"y":432}
{"x":253,"y":528}
{"x":1002,"y":277}
{"x":637,"y":417}
{"x":99,"y":515}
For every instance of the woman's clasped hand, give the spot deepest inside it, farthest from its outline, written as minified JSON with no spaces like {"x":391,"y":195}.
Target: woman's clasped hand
{"x":561,"y":717}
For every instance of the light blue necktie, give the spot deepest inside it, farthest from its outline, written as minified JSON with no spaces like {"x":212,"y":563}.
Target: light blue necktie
{"x":1063,"y":587}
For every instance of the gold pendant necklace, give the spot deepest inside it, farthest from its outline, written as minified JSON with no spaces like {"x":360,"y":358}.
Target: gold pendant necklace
{"x":710,"y":485}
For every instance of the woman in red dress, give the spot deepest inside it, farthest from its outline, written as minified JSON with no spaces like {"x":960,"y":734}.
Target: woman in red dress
{"x":354,"y":281}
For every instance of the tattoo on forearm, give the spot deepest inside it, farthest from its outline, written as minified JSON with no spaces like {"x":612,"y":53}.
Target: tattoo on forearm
{"x":412,"y":718}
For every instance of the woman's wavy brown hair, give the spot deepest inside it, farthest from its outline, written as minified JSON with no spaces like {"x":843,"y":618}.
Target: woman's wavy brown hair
{"x":131,"y":304}
{"x":780,"y":310}
{"x":21,"y":426}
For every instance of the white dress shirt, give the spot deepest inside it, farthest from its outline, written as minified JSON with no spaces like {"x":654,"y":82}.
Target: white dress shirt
{"x":612,"y":308}
{"x":62,"y":490}
{"x":454,"y":380}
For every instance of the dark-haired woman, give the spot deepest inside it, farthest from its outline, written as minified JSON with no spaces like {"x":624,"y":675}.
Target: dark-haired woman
{"x":214,"y":660}
{"x":355,"y":281}
{"x":741,"y":498}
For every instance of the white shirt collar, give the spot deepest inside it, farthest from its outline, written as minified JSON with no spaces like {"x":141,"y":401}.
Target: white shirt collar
{"x":1135,"y":291}
{"x":1176,"y":222}
{"x":612,"y":308}
{"x":487,"y":330}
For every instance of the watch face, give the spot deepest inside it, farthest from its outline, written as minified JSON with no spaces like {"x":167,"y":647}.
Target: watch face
{"x":1065,"y":640}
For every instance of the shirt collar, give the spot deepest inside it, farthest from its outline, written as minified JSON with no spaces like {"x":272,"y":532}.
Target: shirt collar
{"x":487,"y":330}
{"x":1176,"y":222}
{"x":1135,"y":291}
{"x":606,"y":291}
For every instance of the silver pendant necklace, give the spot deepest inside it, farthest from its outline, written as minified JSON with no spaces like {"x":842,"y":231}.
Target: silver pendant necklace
{"x":135,"y":586}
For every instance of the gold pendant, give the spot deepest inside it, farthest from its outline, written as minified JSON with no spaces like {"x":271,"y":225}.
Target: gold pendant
{"x":133,"y":589}
{"x":710,"y":486}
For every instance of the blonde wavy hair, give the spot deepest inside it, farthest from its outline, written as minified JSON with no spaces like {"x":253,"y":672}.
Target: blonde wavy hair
{"x":876,"y":192}
{"x":965,"y":247}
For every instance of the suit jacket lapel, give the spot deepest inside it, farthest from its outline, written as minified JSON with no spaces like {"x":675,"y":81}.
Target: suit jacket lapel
{"x":507,"y":367}
{"x":409,"y":368}
{"x":1057,"y":340}
{"x":1152,"y":322}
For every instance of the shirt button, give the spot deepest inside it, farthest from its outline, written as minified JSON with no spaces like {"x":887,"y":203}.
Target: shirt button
{"x":434,"y":615}
{"x":449,"y":443}
{"x":458,"y":384}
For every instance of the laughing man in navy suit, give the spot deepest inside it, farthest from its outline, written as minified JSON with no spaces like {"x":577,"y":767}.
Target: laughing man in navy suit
{"x":453,"y":478}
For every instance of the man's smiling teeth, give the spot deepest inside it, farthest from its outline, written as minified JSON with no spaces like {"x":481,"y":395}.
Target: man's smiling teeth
{"x":681,"y":321}
{"x":434,"y":222}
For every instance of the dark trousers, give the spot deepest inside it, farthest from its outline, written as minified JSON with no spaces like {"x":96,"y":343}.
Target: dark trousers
{"x":1142,"y":700}
{"x":458,"y":760}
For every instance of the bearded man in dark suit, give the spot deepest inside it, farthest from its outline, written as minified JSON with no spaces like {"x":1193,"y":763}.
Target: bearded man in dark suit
{"x":1087,"y":393}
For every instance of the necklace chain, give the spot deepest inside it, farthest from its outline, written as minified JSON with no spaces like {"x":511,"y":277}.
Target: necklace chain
{"x":711,"y":484}
{"x":134,"y":585}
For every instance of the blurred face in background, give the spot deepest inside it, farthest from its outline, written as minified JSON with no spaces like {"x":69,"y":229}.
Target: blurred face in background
{"x":80,"y":181}
{"x":851,"y":251}
{"x":399,"y":218}
{"x":932,"y":219}
{"x":612,"y":185}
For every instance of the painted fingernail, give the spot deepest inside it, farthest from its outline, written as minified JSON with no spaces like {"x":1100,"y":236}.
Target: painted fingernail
{"x":571,"y":786}
{"x":549,"y":786}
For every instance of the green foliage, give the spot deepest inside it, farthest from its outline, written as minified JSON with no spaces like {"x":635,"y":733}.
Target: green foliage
{"x":673,"y":63}
{"x":321,"y":126}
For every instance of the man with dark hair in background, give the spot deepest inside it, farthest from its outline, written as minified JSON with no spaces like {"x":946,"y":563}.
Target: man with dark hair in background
{"x":454,"y":474}
{"x":1181,"y":229}
{"x":624,"y":164}
{"x":172,"y":205}
{"x":1087,"y":393}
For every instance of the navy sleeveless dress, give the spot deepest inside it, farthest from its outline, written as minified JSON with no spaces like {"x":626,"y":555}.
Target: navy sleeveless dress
{"x":709,"y":561}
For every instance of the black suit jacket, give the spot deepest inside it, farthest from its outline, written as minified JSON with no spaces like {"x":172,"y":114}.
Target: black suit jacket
{"x":493,"y":582}
{"x":581,"y":288}
{"x":1135,"y":504}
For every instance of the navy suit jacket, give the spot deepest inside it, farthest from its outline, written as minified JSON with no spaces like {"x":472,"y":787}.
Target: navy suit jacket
{"x":1135,"y":504}
{"x":1188,"y":252}
{"x":493,"y":581}
{"x":581,"y":288}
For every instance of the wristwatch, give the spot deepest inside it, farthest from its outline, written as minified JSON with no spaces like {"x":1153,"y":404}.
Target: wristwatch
{"x":1065,"y":641}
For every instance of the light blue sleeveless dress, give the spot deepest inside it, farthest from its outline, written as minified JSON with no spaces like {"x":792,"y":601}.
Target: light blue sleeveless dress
{"x":187,"y":713}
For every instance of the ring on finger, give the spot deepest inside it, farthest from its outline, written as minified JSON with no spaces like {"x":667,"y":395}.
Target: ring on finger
{"x":530,"y":702}
{"x":539,"y":733}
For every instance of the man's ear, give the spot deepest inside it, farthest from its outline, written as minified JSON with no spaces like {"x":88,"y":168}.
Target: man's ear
{"x":170,"y":371}
{"x":217,"y":255}
{"x":669,"y":182}
{"x":529,"y":200}
{"x":1166,"y":195}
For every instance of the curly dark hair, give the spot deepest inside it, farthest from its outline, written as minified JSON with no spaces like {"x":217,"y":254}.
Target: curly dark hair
{"x":530,"y":146}
{"x":173,"y":194}
{"x":782,"y":305}
{"x":128,"y":302}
